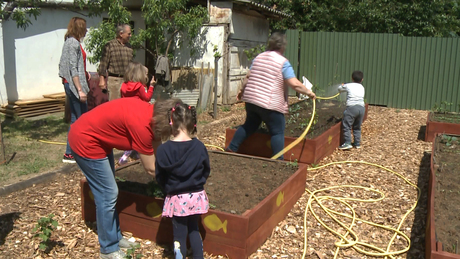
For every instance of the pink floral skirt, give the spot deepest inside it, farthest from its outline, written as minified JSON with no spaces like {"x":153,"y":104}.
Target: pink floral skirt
{"x":186,"y":204}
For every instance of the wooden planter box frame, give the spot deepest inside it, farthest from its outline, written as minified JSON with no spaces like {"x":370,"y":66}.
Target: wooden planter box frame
{"x":308,"y":151}
{"x":244,"y":233}
{"x":433,"y":127}
{"x":433,"y":248}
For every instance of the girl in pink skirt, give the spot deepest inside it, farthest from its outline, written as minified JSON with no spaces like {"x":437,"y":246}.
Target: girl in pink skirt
{"x":181,"y":169}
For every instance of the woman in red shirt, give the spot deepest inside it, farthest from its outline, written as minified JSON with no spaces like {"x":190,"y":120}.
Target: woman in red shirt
{"x":124,"y":124}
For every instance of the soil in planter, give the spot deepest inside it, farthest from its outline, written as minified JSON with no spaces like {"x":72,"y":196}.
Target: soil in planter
{"x":446,"y":117}
{"x":447,"y":193}
{"x":236,"y":184}
{"x":328,"y":113}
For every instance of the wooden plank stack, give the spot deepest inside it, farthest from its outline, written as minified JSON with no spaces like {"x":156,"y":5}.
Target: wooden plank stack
{"x":50,"y":103}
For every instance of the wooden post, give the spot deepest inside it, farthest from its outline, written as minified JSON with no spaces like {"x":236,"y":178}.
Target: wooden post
{"x":216,"y":62}
{"x":208,"y":103}
{"x":200,"y":87}
{"x":3,"y":144}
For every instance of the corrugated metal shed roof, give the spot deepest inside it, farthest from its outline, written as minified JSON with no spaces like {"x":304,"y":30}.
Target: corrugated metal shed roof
{"x":261,"y":7}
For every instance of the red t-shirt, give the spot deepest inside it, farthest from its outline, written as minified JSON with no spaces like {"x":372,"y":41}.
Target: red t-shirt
{"x":124,"y":124}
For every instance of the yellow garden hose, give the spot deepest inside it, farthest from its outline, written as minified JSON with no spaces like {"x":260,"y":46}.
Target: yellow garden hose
{"x":208,"y":145}
{"x":51,"y":142}
{"x":354,"y":242}
{"x":286,"y":149}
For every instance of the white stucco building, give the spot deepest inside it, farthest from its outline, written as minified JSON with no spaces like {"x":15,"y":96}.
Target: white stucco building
{"x":30,"y":57}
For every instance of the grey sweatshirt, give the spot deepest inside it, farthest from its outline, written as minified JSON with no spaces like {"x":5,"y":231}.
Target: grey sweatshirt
{"x":355,"y":93}
{"x":71,"y":65}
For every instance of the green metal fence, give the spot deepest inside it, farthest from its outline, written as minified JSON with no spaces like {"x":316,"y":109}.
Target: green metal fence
{"x":400,"y":72}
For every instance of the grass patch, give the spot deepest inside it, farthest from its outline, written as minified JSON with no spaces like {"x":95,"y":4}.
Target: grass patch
{"x":32,"y":156}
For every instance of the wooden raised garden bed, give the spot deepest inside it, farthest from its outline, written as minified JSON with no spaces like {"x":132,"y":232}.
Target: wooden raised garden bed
{"x":309,"y":150}
{"x":443,"y":224}
{"x":236,"y":234}
{"x":448,"y":123}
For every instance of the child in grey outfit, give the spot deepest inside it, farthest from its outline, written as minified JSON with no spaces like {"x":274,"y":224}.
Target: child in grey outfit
{"x":354,"y":113}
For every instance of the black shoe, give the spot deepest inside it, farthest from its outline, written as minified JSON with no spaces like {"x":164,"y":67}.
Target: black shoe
{"x":228,"y":150}
{"x":345,"y":146}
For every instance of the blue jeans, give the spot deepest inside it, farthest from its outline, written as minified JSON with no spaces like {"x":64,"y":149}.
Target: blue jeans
{"x":352,"y":119}
{"x":254,"y":116}
{"x":100,"y":174}
{"x":77,"y":108}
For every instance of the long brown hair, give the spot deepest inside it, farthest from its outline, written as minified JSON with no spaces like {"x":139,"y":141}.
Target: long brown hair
{"x":76,"y":28}
{"x":172,"y":115}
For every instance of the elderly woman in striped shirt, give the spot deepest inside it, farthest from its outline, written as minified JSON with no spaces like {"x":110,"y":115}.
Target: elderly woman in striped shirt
{"x":265,"y":93}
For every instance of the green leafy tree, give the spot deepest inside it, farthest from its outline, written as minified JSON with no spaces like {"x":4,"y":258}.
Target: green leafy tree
{"x":105,"y":31}
{"x":439,"y":18}
{"x":20,"y":11}
{"x":165,"y":22}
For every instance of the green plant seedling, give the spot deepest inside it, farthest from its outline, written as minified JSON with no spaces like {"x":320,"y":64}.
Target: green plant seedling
{"x":212,"y":206}
{"x":154,"y":190}
{"x":131,"y":252}
{"x":442,"y":107}
{"x":44,"y":228}
{"x":449,"y":140}
{"x":117,"y":178}
{"x":293,"y":164}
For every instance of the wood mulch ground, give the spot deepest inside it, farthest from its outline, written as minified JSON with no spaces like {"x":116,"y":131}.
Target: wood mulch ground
{"x":390,"y":137}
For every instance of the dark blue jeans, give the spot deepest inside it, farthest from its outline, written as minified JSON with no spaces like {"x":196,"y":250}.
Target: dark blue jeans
{"x":77,"y":108}
{"x":183,"y":226}
{"x":352,"y":119}
{"x":254,"y":116}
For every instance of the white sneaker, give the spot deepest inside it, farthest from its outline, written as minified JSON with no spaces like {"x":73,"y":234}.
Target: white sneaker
{"x":114,"y":255}
{"x":125,"y":243}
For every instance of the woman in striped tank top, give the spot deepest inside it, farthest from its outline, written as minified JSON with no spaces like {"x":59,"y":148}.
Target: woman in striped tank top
{"x":265,"y":94}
